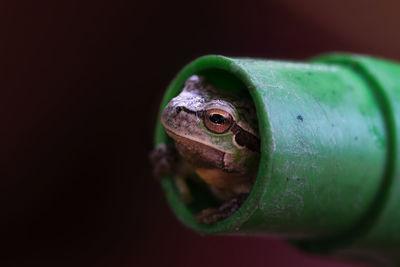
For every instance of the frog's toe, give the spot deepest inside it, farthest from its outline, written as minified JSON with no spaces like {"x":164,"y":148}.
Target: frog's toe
{"x":212,"y":215}
{"x":164,"y":159}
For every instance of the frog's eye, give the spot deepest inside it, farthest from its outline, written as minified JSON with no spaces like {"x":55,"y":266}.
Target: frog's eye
{"x":217,"y":120}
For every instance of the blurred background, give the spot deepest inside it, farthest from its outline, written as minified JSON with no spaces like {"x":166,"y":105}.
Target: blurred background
{"x":80,"y":85}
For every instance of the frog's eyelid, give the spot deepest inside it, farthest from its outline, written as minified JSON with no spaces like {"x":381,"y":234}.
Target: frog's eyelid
{"x":216,"y":104}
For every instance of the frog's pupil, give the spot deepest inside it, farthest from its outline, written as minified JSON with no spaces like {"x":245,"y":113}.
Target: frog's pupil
{"x":217,"y":118}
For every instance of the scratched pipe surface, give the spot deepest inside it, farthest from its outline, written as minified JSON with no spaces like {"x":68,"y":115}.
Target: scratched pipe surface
{"x":329,"y":173}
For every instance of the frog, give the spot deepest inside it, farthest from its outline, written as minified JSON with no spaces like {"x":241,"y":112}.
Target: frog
{"x":215,"y":139}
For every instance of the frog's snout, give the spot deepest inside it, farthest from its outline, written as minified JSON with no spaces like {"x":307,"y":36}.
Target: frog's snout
{"x":171,"y":112}
{"x":173,"y":117}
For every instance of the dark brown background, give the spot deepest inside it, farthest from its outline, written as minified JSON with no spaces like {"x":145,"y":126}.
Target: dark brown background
{"x":80,"y":85}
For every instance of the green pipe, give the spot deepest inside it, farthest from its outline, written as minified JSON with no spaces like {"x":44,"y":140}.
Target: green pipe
{"x":329,"y":173}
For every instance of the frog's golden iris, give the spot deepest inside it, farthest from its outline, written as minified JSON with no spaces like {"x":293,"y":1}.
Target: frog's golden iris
{"x":218,"y":121}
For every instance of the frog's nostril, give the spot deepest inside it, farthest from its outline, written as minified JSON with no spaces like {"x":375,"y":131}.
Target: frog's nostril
{"x":178,"y":109}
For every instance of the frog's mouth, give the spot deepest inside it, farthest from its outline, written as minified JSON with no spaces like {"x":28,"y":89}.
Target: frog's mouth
{"x":197,"y":154}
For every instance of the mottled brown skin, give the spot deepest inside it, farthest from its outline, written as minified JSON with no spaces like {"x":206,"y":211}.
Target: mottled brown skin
{"x":215,"y":134}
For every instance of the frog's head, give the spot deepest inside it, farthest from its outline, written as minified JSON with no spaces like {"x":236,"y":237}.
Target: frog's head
{"x":211,"y":127}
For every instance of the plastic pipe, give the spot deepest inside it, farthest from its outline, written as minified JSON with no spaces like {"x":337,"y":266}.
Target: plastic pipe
{"x":329,"y":173}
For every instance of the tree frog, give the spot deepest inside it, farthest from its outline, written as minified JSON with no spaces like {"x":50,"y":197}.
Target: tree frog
{"x":216,"y":139}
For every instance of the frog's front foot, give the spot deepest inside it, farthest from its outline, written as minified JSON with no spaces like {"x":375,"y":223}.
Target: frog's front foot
{"x":212,"y":215}
{"x":164,"y":159}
